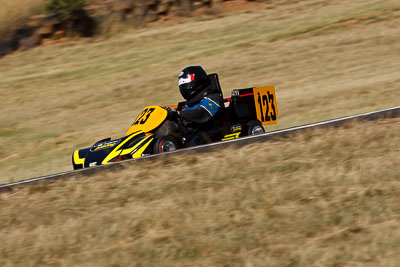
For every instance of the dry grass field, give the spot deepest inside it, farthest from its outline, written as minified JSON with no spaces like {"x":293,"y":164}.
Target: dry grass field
{"x":326,"y":58}
{"x":321,"y":198}
{"x":14,"y":12}
{"x":324,"y":198}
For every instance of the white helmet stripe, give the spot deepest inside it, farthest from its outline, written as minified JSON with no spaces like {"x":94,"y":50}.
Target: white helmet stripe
{"x":188,"y":79}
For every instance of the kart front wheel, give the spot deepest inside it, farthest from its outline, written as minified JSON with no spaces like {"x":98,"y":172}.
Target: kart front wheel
{"x":254,"y":128}
{"x":164,"y":144}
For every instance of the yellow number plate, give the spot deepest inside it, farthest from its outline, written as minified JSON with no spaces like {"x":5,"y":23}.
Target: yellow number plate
{"x":150,"y":118}
{"x":266,"y":106}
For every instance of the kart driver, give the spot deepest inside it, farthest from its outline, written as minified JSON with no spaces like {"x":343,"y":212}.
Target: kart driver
{"x":203,"y":101}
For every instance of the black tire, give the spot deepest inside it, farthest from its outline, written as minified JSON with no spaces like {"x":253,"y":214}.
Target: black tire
{"x":254,"y":128}
{"x":164,"y":144}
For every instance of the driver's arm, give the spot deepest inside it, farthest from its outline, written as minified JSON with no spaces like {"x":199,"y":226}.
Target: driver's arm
{"x":202,"y":112}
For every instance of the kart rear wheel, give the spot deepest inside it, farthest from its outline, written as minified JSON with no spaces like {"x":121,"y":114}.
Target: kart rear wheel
{"x":254,"y":128}
{"x":164,"y":144}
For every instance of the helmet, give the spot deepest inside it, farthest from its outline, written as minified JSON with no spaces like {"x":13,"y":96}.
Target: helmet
{"x":192,"y":80}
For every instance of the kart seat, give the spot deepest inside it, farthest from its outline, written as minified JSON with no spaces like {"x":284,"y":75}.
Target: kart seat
{"x":215,"y":82}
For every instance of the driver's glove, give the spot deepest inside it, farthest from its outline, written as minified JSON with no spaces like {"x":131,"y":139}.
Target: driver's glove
{"x":172,"y":114}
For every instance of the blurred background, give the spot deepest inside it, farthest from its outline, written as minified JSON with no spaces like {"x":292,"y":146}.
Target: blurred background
{"x":73,"y":72}
{"x":326,"y":58}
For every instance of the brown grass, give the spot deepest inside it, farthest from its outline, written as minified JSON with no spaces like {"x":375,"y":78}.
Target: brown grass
{"x":325,"y":198}
{"x":62,"y":97}
{"x":14,"y":12}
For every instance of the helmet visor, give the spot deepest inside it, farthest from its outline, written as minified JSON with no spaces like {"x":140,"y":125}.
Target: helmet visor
{"x":186,"y":79}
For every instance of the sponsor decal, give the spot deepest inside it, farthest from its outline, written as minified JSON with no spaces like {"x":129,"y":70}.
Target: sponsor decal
{"x":211,"y":106}
{"x":235,"y":92}
{"x":231,"y":136}
{"x":92,"y":164}
{"x":104,"y":145}
{"x":236,"y":128}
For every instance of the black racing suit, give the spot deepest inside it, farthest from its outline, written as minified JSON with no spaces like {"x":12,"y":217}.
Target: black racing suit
{"x":200,"y":110}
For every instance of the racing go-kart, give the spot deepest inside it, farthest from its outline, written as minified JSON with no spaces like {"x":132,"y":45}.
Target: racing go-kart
{"x":244,"y":113}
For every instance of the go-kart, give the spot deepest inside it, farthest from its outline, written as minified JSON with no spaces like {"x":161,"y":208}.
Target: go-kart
{"x":244,"y":113}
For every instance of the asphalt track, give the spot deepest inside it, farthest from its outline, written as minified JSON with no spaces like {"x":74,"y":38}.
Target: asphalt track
{"x":285,"y":133}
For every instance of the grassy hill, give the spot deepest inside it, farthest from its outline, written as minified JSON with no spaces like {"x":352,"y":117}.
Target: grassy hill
{"x":325,"y":198}
{"x":326,"y":58}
